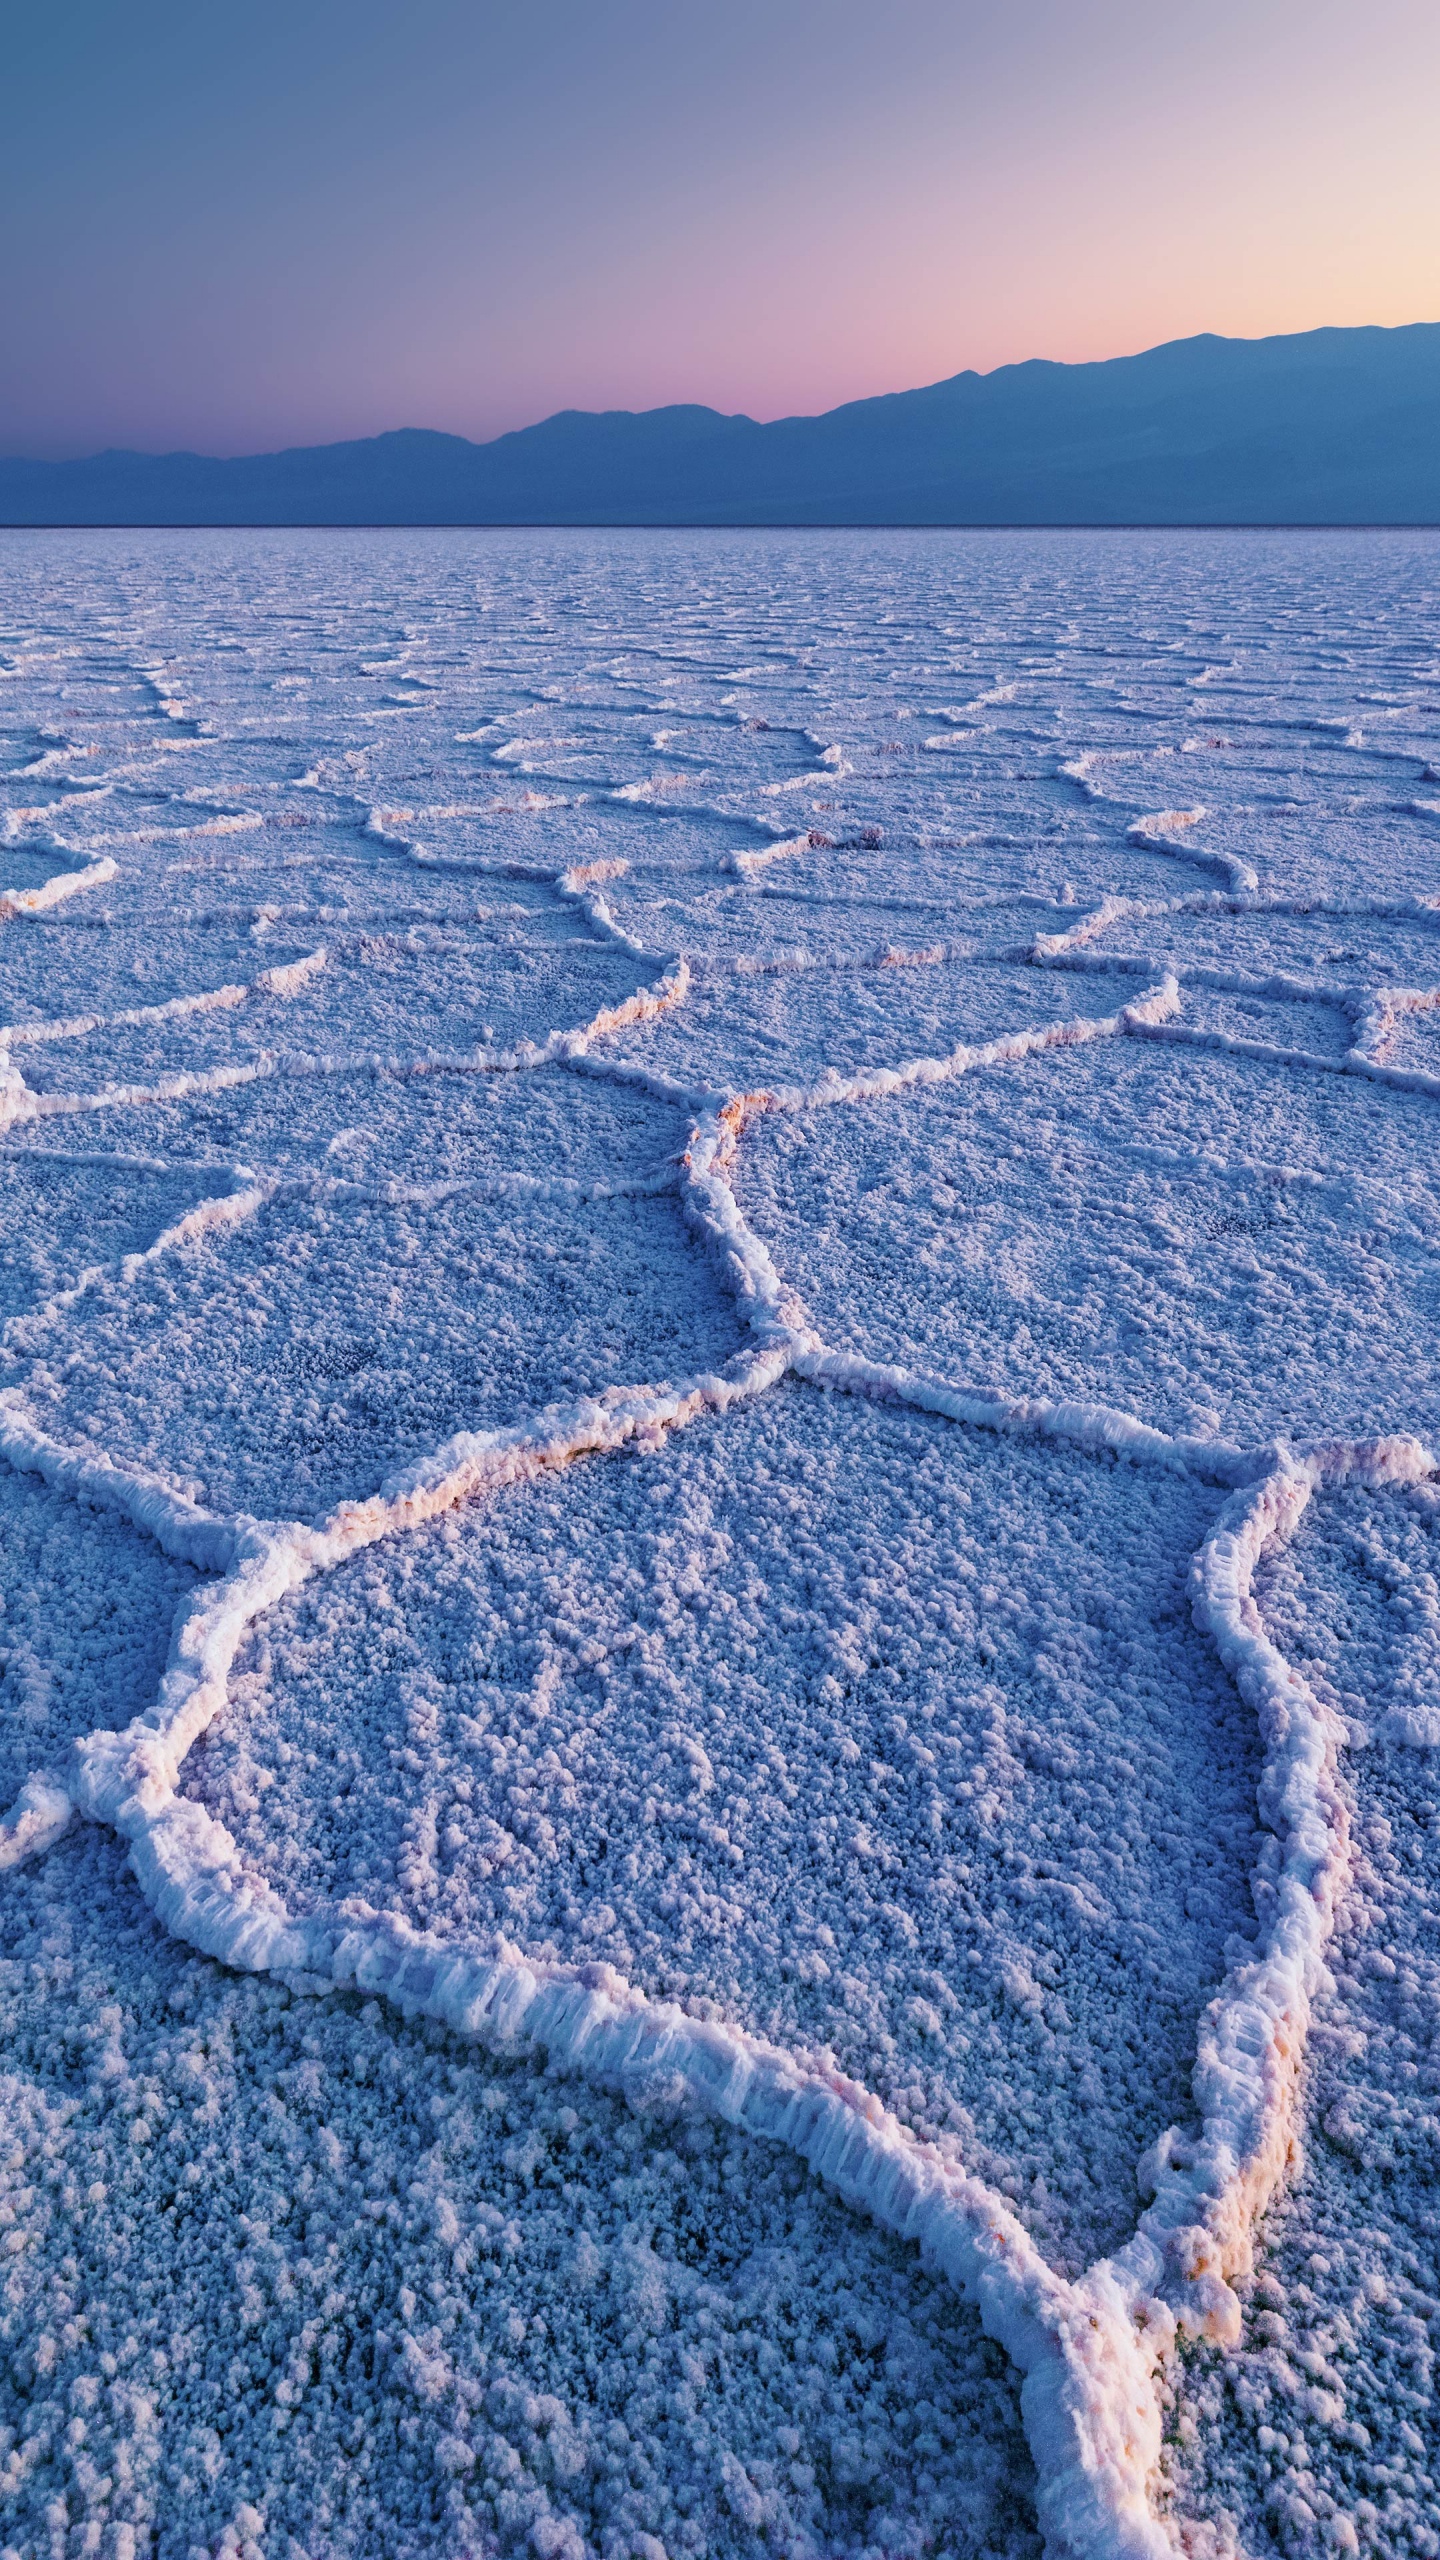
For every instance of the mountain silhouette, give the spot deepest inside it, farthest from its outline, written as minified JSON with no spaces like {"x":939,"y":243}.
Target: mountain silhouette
{"x":1332,"y":426}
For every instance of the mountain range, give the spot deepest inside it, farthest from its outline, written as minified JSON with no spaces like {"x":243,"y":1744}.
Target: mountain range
{"x":1332,"y":426}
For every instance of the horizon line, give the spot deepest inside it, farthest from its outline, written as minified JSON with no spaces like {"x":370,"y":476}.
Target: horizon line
{"x":743,"y":524}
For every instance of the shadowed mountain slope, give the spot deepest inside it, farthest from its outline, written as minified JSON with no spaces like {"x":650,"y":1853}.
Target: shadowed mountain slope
{"x":1333,"y":426}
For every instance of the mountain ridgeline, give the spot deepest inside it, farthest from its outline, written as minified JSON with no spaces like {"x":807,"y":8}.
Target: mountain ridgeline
{"x":1335,"y":426}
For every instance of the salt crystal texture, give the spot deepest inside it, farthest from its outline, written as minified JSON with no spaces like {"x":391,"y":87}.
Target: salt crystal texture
{"x":719,"y":1295}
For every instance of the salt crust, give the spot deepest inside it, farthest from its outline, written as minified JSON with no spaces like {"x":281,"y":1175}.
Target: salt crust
{"x":868,"y":1761}
{"x":1323,"y":2416}
{"x":1089,"y":2349}
{"x":310,"y":2277}
{"x":1080,"y":1229}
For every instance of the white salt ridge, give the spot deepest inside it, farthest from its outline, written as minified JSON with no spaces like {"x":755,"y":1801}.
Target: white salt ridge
{"x":229,"y":823}
{"x":1374,"y":1012}
{"x":749,"y":862}
{"x":1378,"y":1017}
{"x":284,"y":981}
{"x":1112,"y":910}
{"x":26,"y":824}
{"x":569,"y":1046}
{"x":1355,"y":1062}
{"x":53,"y":759}
{"x":1168,"y":831}
{"x":54,"y":891}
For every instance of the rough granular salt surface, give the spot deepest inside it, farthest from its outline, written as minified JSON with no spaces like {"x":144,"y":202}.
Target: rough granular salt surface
{"x":58,"y":1220}
{"x":392,"y":1124}
{"x":291,"y":2278}
{"x":911,"y":1000}
{"x":1245,"y":1249}
{"x":856,"y":1733}
{"x":79,"y":1648}
{"x":296,"y":1354}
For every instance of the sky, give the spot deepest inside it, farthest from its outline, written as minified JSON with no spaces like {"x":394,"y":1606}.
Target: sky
{"x":237,"y":224}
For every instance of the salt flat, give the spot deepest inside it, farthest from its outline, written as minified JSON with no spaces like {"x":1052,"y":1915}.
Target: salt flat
{"x":720,"y":1662}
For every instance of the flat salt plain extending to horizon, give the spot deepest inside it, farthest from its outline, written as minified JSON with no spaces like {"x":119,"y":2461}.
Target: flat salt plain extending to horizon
{"x":720,"y":1662}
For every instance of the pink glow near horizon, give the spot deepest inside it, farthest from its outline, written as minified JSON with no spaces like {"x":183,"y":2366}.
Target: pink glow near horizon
{"x":235,"y":234}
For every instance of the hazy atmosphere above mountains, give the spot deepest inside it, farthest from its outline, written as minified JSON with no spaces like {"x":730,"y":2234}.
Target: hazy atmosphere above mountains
{"x":232,"y":231}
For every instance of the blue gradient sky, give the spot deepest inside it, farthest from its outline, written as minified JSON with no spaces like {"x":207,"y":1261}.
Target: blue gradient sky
{"x":279,"y":221}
